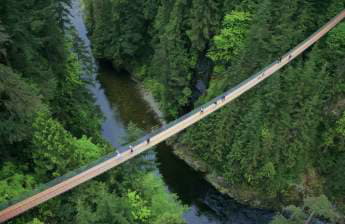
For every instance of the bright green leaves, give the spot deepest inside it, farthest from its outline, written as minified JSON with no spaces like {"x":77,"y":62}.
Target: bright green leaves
{"x":35,"y":221}
{"x":97,"y":205}
{"x":140,"y":211}
{"x":228,"y":44}
{"x":153,"y":204}
{"x":13,"y":182}
{"x":52,"y":145}
{"x":230,"y":41}
{"x":86,"y":151}
{"x":164,"y":206}
{"x":56,"y":151}
{"x":145,"y":201}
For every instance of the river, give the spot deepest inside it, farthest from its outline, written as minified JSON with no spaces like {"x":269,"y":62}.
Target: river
{"x":121,"y":101}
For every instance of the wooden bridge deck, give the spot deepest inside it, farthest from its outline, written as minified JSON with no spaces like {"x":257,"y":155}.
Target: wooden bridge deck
{"x":80,"y":176}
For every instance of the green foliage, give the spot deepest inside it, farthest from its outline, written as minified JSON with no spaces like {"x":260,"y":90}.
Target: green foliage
{"x":103,"y":207}
{"x":38,"y":71}
{"x":267,"y":139}
{"x":203,"y":20}
{"x":49,"y":123}
{"x":18,"y":103}
{"x":125,"y":39}
{"x":131,"y":194}
{"x":264,"y":142}
{"x":73,"y":104}
{"x":146,"y":201}
{"x":296,"y":216}
{"x":36,"y":49}
{"x":340,"y":126}
{"x":332,"y":156}
{"x":73,"y":78}
{"x":321,"y":207}
{"x":230,"y":41}
{"x":35,"y":221}
{"x":139,"y":209}
{"x":165,"y":207}
{"x":14,"y":182}
{"x":133,"y":133}
{"x":314,"y":207}
{"x":163,"y":41}
{"x":52,"y":143}
{"x":336,"y":40}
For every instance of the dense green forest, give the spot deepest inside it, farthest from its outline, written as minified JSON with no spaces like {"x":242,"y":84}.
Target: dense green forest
{"x":282,"y":143}
{"x":49,"y":125}
{"x":279,"y":143}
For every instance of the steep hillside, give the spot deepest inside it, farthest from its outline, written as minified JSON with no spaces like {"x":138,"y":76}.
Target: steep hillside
{"x":49,"y":126}
{"x":279,"y":143}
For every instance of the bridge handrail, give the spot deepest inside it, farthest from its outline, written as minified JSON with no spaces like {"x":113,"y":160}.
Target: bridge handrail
{"x":156,"y":132}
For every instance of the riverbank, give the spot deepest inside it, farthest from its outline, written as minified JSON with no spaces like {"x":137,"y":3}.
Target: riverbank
{"x":206,"y":204}
{"x":240,"y":194}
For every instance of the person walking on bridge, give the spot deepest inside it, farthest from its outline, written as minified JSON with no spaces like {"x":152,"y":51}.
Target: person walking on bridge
{"x":131,"y":148}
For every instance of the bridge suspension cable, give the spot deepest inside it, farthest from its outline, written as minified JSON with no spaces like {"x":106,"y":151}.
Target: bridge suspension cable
{"x":83,"y":174}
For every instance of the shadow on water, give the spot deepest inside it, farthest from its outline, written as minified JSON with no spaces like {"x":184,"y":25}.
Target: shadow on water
{"x":207,"y":204}
{"x":121,"y":102}
{"x":125,"y":97}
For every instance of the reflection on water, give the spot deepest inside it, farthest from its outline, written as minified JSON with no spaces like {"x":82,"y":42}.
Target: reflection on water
{"x":125,"y":98}
{"x":121,"y":102}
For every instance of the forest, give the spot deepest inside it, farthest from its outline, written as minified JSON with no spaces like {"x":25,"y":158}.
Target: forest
{"x":283,"y":142}
{"x":49,"y":125}
{"x":279,"y":146}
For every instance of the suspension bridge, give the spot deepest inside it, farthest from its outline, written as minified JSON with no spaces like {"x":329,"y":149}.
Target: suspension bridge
{"x":83,"y":174}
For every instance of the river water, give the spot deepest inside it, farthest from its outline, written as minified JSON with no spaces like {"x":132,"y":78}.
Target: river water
{"x":121,"y":101}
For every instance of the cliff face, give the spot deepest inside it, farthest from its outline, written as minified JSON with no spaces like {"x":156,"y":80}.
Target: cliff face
{"x":278,"y":143}
{"x":311,"y":184}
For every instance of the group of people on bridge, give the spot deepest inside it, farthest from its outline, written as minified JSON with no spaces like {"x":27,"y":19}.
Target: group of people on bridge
{"x":202,"y":109}
{"x":131,"y":148}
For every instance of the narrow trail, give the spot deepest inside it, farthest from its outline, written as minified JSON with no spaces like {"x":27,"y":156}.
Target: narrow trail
{"x":79,"y":176}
